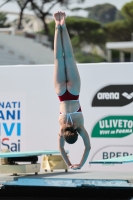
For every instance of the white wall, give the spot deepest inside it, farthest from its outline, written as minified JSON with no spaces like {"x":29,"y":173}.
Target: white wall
{"x":33,"y":87}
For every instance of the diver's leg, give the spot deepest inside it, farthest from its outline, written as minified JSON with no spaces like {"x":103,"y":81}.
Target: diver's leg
{"x":73,"y":78}
{"x":59,"y":66}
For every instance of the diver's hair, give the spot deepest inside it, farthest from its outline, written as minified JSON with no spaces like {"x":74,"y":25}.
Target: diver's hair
{"x":70,"y":134}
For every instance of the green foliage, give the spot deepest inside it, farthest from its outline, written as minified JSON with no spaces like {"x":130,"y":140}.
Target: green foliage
{"x":127,"y":10}
{"x":119,"y":30}
{"x":88,"y":58}
{"x":81,"y":26}
{"x":51,"y":27}
{"x":82,"y":30}
{"x":76,"y":41}
{"x":86,"y":31}
{"x":116,"y":56}
{"x":77,"y":25}
{"x":103,"y":13}
{"x":42,"y":32}
{"x":3,"y":19}
{"x":96,"y":36}
{"x":119,"y":15}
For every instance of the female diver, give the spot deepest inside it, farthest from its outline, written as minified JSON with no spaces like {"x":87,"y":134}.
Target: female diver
{"x":67,"y":87}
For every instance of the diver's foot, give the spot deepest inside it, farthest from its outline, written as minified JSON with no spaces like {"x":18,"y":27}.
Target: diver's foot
{"x":62,"y":18}
{"x":57,"y":18}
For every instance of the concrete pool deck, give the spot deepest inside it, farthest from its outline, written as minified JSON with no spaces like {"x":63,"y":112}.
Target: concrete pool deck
{"x":70,"y":179}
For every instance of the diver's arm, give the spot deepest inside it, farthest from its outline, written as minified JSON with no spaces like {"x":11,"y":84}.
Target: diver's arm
{"x":61,"y":144}
{"x":83,"y":133}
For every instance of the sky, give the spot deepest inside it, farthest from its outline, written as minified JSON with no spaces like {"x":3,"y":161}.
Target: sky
{"x":118,"y":3}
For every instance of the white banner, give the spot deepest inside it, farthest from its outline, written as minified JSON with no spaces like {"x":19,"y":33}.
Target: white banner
{"x":12,"y":121}
{"x":32,"y":122}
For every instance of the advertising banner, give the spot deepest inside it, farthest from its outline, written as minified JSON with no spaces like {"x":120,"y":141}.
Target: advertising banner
{"x":12,"y":121}
{"x":29,"y":111}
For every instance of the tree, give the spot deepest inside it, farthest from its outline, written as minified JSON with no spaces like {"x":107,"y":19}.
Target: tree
{"x":103,"y":13}
{"x":22,"y":5}
{"x":3,"y":19}
{"x":119,"y":30}
{"x":82,"y":30}
{"x":82,"y":57}
{"x":119,"y":15}
{"x":39,"y":8}
{"x":127,"y":10}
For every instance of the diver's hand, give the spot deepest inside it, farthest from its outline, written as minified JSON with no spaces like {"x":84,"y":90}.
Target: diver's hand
{"x":76,"y":166}
{"x":70,"y":166}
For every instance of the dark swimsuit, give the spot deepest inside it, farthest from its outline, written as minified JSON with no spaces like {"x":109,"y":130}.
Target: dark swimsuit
{"x":67,"y":96}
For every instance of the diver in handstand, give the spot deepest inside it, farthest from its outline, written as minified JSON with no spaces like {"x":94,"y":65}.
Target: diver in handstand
{"x":67,"y":87}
